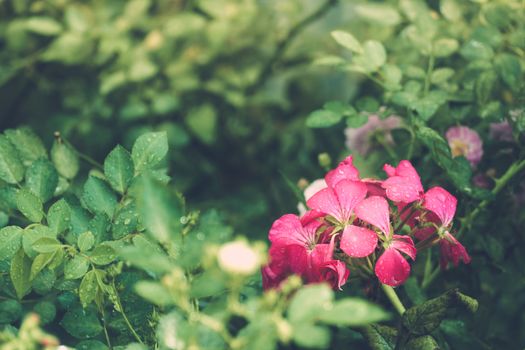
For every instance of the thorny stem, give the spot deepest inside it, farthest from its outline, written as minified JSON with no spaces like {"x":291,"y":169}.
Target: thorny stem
{"x":394,"y":299}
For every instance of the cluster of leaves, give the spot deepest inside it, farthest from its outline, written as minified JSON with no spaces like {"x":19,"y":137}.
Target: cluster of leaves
{"x":209,"y":73}
{"x":79,"y":252}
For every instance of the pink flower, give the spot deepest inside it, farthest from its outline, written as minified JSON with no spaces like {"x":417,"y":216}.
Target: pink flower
{"x":297,"y":248}
{"x":501,"y":131}
{"x":335,"y":273}
{"x":403,"y":183}
{"x":392,"y":268}
{"x":466,"y":142}
{"x":452,"y":251}
{"x":309,"y":191}
{"x":360,"y":139}
{"x":443,"y":205}
{"x":339,"y":201}
{"x":344,"y":171}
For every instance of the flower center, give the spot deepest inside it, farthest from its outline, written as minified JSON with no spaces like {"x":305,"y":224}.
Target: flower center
{"x":458,"y":148}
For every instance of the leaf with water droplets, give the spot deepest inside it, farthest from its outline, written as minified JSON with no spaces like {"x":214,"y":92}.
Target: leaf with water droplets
{"x":41,"y":261}
{"x":103,"y":254}
{"x":98,"y":197}
{"x":11,"y":168}
{"x":10,"y":241}
{"x":149,"y":149}
{"x":20,"y":272}
{"x":32,"y":235}
{"x":118,"y":168}
{"x":81,"y":323}
{"x":29,"y":205}
{"x":59,"y":216}
{"x":42,"y":179}
{"x":88,"y":288}
{"x":65,"y":159}
{"x":76,"y":267}
{"x":85,"y":241}
{"x":27,"y":143}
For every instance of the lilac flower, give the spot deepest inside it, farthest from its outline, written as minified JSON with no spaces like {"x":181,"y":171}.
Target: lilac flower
{"x":466,"y":142}
{"x":360,"y":139}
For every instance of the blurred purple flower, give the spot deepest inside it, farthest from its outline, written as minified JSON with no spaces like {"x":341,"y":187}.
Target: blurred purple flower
{"x":481,"y":180}
{"x":501,"y":131}
{"x":360,"y":139}
{"x":466,"y":142}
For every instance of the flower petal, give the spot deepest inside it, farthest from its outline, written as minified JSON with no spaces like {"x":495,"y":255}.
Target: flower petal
{"x":326,"y":202}
{"x":349,"y":193}
{"x":403,"y":184}
{"x":288,"y":230}
{"x":358,"y":242}
{"x":335,"y":273}
{"x":374,"y":187}
{"x":452,"y":251}
{"x":441,"y":203}
{"x":375,"y":211}
{"x":314,"y":187}
{"x":391,"y":268}
{"x":405,"y":245}
{"x":345,"y":170}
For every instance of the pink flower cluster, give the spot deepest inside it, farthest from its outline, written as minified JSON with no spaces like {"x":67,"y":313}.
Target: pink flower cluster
{"x":355,"y":224}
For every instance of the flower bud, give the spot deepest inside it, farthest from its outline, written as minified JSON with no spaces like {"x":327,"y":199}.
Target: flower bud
{"x":238,"y":258}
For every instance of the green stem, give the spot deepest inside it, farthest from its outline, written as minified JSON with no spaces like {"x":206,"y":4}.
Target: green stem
{"x":429,"y":73}
{"x":394,"y":299}
{"x":123,"y":313}
{"x":514,"y":169}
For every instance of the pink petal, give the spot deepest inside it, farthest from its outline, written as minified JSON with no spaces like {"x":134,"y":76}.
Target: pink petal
{"x":335,"y":273}
{"x":441,"y":203}
{"x":391,"y":268}
{"x":311,"y":217}
{"x":403,"y":184}
{"x":374,"y":187}
{"x":321,"y":254}
{"x":349,"y":194}
{"x":375,"y":210}
{"x":326,"y":202}
{"x":452,"y":251}
{"x":297,"y":259}
{"x":285,"y":230}
{"x":344,"y":171}
{"x":358,"y":242}
{"x":314,"y":187}
{"x":405,"y":245}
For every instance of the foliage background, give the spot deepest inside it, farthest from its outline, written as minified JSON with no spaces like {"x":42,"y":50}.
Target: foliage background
{"x":232,"y":84}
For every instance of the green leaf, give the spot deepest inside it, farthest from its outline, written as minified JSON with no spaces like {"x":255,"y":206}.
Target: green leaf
{"x":154,"y":292}
{"x":142,"y":69}
{"x":509,"y":69}
{"x":379,"y":13}
{"x":425,"y":318}
{"x":392,"y":75}
{"x":475,"y":50}
{"x":29,"y":205}
{"x":19,"y":272}
{"x":32,"y":234}
{"x":118,"y":168}
{"x":445,"y":47}
{"x":451,"y":10}
{"x":42,"y":179}
{"x":427,"y":106}
{"x":149,"y":150}
{"x":309,"y":302}
{"x":46,"y":245}
{"x":103,"y":254}
{"x":147,"y":255}
{"x":126,"y":221}
{"x":46,"y":310}
{"x":11,"y":168}
{"x":374,"y":54}
{"x":422,"y":343}
{"x":160,"y":209}
{"x":65,"y":159}
{"x":43,"y":26}
{"x":39,"y":263}
{"x":81,"y":323}
{"x":10,"y":241}
{"x":352,"y":312}
{"x":59,"y":216}
{"x":27,"y":143}
{"x":323,"y":118}
{"x":10,"y":311}
{"x":357,"y":120}
{"x":98,"y":197}
{"x":76,"y":267}
{"x":85,"y":241}
{"x":484,"y":85}
{"x":202,"y":121}
{"x":88,"y":288}
{"x":380,"y":337}
{"x":311,"y":336}
{"x":441,"y":75}
{"x":347,"y":40}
